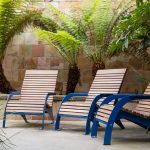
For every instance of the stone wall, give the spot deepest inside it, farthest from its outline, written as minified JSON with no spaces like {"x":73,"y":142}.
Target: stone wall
{"x":27,"y":52}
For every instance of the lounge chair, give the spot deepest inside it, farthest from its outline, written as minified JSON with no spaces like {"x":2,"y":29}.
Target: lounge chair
{"x":106,"y":82}
{"x":108,"y":115}
{"x":36,"y":95}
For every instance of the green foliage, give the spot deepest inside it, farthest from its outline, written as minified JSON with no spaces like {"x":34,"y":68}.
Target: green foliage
{"x":100,"y":18}
{"x":67,"y":38}
{"x":70,"y":24}
{"x":65,"y":43}
{"x":14,"y":17}
{"x":45,"y":23}
{"x":132,"y":34}
{"x":92,"y":25}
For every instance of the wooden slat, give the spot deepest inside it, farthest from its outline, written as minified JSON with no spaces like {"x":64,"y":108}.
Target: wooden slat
{"x":107,"y":107}
{"x":103,"y":90}
{"x":77,"y":104}
{"x":104,"y":111}
{"x":30,"y":102}
{"x":24,"y":105}
{"x":75,"y":107}
{"x":42,"y":72}
{"x":25,"y":111}
{"x":73,"y":110}
{"x":143,"y":106}
{"x":142,"y":109}
{"x":103,"y":115}
{"x":102,"y":118}
{"x":24,"y":108}
{"x":74,"y":114}
{"x":144,"y":114}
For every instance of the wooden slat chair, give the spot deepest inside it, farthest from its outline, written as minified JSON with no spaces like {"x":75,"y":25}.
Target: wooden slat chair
{"x":106,"y":82}
{"x":36,"y":95}
{"x":108,"y":115}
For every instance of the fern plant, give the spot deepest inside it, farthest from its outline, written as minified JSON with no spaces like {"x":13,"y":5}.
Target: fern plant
{"x":100,"y":17}
{"x":68,"y":48}
{"x":91,"y":26}
{"x":15,"y":16}
{"x":67,"y":41}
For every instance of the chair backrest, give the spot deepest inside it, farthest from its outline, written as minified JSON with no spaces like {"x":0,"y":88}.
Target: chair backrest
{"x":143,"y":107}
{"x":36,"y":84}
{"x":106,"y":81}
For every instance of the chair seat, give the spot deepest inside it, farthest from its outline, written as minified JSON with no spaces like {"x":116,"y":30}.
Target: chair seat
{"x":75,"y":108}
{"x":145,"y":115}
{"x":105,"y":111}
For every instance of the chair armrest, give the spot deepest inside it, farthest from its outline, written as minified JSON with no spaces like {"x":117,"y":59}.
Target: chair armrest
{"x":70,"y":95}
{"x":117,"y":108}
{"x":115,"y":96}
{"x":13,"y":93}
{"x":49,"y":94}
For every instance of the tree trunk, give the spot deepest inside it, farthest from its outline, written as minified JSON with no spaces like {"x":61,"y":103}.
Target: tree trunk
{"x":5,"y":86}
{"x":73,"y":78}
{"x":96,"y":66}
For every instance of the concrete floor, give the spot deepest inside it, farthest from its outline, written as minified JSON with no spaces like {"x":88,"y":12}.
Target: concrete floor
{"x":71,"y":137}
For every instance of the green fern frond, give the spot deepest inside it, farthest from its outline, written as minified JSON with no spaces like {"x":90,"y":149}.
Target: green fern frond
{"x":14,"y":17}
{"x":68,"y":24}
{"x":65,"y":43}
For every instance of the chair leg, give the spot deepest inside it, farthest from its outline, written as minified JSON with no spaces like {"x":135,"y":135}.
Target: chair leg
{"x":94,"y":129}
{"x":119,"y":123}
{"x":43,"y":121}
{"x":4,"y":120}
{"x":57,"y":122}
{"x":87,"y":128}
{"x":24,"y":118}
{"x":50,"y":113}
{"x":107,"y":135}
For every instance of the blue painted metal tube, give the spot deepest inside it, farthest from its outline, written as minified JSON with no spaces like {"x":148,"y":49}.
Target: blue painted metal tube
{"x":115,"y":113}
{"x":93,"y":109}
{"x":70,"y":95}
{"x":46,"y":99}
{"x":65,"y":99}
{"x":8,"y":99}
{"x":116,"y":96}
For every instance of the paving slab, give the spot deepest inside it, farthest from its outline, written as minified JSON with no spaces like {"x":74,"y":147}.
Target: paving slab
{"x":71,"y":137}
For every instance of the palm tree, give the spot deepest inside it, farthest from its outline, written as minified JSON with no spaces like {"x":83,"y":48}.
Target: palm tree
{"x":66,"y":41}
{"x":68,"y":47}
{"x":15,"y":16}
{"x":91,"y":26}
{"x":99,"y":18}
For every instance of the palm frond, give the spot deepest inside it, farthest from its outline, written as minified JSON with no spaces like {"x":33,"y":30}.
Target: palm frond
{"x":14,"y":17}
{"x":45,"y":23}
{"x":65,"y":43}
{"x":69,"y":24}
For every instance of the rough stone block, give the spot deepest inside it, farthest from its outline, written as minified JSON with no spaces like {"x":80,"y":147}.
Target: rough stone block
{"x":38,"y":50}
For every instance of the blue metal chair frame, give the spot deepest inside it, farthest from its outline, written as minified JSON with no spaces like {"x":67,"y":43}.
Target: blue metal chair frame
{"x":25,"y":113}
{"x":117,"y":114}
{"x":90,"y":116}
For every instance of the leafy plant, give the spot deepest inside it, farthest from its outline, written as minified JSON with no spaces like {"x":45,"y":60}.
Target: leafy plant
{"x":15,"y":16}
{"x":66,"y":41}
{"x":68,"y":47}
{"x":91,"y":26}
{"x":132,"y":34}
